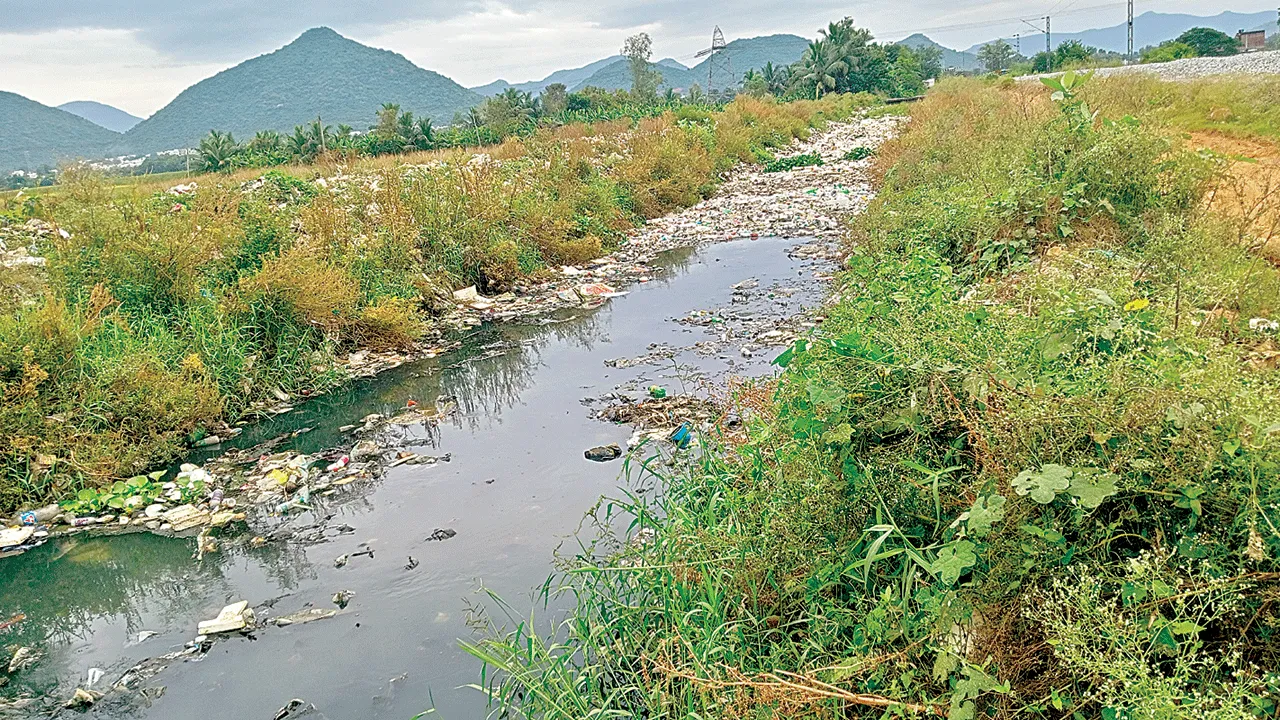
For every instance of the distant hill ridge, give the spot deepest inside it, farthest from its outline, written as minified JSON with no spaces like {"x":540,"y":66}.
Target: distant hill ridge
{"x":33,"y":135}
{"x":569,"y":78}
{"x":111,"y":118}
{"x":320,"y":74}
{"x":951,"y":59}
{"x":744,"y":54}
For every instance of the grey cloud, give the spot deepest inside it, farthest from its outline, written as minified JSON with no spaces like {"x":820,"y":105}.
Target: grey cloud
{"x":694,"y":15}
{"x":207,"y":30}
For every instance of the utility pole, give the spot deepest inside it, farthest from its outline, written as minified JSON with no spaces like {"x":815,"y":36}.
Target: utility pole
{"x":1130,"y":29}
{"x":1048,"y":41}
{"x":1017,"y":43}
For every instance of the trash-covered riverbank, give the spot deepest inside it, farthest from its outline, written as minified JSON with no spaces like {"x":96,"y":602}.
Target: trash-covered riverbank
{"x":808,"y":201}
{"x":367,"y":514}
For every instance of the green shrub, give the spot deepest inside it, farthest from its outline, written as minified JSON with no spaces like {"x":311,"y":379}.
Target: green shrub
{"x":858,"y":153}
{"x":792,"y":162}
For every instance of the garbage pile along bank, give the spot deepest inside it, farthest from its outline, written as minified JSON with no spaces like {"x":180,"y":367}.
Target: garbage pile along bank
{"x":807,"y":201}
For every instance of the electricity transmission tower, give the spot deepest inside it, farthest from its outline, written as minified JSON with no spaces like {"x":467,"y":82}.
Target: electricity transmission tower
{"x":718,"y":62}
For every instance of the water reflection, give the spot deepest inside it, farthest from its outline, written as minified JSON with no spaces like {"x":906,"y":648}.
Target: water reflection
{"x":86,"y":600}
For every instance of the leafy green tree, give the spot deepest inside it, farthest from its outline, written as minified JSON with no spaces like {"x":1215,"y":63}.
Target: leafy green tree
{"x":638,"y":49}
{"x":996,"y":56}
{"x":266,"y":141}
{"x":907,"y":72}
{"x":1209,"y":42}
{"x":555,"y":99}
{"x":388,"y":121}
{"x":415,"y":133}
{"x":1042,"y":62}
{"x":1072,"y":53}
{"x":696,"y":94}
{"x":930,"y":61}
{"x":1167,"y":51}
{"x":218,"y":151}
{"x":509,"y":111}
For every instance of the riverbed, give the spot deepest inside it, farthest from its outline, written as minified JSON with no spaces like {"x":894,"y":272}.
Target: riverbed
{"x":516,"y":485}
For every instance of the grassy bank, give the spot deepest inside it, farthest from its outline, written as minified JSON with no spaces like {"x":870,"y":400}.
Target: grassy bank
{"x":160,"y":315}
{"x":1027,"y":468}
{"x":1243,"y":106}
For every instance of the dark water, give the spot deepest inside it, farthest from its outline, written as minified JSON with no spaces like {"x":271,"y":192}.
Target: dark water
{"x":393,"y":653}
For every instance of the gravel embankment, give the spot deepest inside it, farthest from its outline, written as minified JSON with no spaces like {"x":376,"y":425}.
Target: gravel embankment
{"x":1257,"y":63}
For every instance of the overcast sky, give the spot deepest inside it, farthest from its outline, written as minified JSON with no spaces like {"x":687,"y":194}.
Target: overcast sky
{"x":138,"y":55}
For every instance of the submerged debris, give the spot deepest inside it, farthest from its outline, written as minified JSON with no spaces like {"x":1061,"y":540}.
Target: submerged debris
{"x":668,"y":412}
{"x":236,"y":616}
{"x":303,"y":617}
{"x":604,"y":453}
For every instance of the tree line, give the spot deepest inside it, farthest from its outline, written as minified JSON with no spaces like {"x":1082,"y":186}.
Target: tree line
{"x":843,"y":59}
{"x":999,"y":56}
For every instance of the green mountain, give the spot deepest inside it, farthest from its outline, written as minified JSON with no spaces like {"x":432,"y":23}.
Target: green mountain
{"x":951,"y":59}
{"x":321,"y":74}
{"x":113,"y":119}
{"x":32,"y":135}
{"x":752,"y":54}
{"x":569,"y":78}
{"x":743,"y":54}
{"x":617,"y":76}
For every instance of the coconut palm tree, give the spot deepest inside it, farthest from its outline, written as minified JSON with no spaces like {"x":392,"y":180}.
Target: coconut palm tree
{"x":776,"y":79}
{"x":823,"y":64}
{"x":218,"y":151}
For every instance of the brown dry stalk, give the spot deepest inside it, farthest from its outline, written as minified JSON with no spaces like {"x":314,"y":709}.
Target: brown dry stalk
{"x":981,"y":450}
{"x":808,"y":686}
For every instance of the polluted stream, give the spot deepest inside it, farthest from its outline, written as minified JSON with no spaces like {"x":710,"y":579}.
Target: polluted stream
{"x":411,"y":548}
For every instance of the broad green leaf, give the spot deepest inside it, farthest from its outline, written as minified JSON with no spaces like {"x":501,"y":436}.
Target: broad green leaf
{"x":1092,"y":487}
{"x":1102,"y":296}
{"x":985,"y":513}
{"x":838,"y":435}
{"x":953,"y":560}
{"x":976,"y":386}
{"x":1043,"y":485}
{"x":1055,"y":345}
{"x":825,"y":395}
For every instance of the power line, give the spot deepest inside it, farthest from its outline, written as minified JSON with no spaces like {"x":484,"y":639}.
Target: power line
{"x":1004,"y":21}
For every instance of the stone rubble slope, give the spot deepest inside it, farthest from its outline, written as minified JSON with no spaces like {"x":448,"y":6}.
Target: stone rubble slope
{"x":1255,"y":63}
